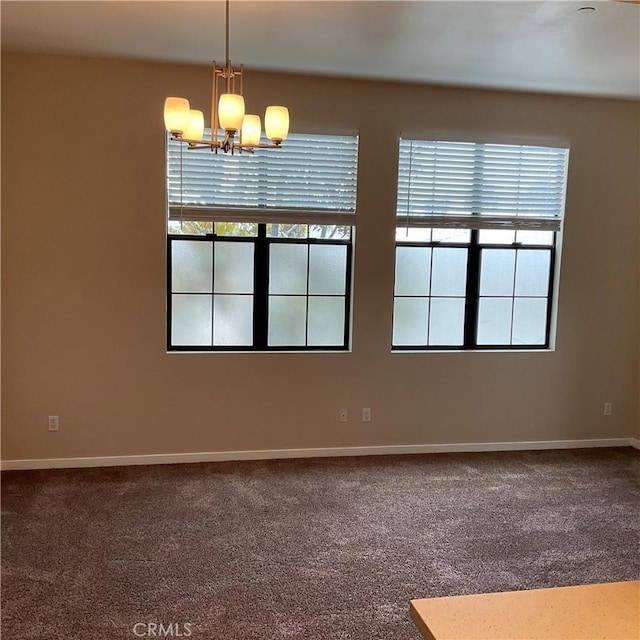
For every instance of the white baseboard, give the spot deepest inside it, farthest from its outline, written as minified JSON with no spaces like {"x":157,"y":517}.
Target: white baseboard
{"x":270,"y":454}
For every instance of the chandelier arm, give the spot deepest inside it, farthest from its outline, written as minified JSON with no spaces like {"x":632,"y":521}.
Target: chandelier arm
{"x":275,"y":145}
{"x":226,"y":145}
{"x":200,"y":145}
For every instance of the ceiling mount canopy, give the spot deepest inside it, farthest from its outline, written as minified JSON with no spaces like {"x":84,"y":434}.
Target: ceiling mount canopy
{"x":242,"y":131}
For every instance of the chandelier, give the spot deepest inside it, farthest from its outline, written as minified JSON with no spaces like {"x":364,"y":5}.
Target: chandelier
{"x":241,"y":131}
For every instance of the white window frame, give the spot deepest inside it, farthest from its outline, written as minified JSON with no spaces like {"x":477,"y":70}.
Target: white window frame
{"x":311,"y":180}
{"x":455,"y":203}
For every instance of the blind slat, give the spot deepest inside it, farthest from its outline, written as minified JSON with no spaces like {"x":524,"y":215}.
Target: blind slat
{"x":470,"y":182}
{"x":249,"y":214}
{"x":524,"y":223}
{"x":311,"y":173}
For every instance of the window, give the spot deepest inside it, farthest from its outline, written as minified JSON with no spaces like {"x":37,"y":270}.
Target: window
{"x":259,"y":246}
{"x":476,"y":244}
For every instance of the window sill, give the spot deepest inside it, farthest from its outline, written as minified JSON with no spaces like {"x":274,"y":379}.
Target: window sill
{"x":421,"y":351}
{"x":274,"y":352}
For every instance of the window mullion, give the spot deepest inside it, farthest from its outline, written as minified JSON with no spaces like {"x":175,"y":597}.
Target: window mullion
{"x":261,"y":289}
{"x":213,"y":285}
{"x":472,"y":292}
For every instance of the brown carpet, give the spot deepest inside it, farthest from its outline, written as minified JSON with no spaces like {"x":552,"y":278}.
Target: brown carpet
{"x":318,"y":549}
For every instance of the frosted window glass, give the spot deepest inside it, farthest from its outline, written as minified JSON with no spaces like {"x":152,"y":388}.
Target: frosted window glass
{"x":287,"y":321}
{"x":446,"y":321}
{"x":327,"y":269}
{"x":494,"y":321}
{"x":191,"y":267}
{"x":326,"y":322}
{"x":451,"y":235}
{"x":535,"y":237}
{"x":496,"y":236}
{"x":497,"y":272}
{"x":410,"y":321}
{"x":413,"y":266}
{"x":449,"y":272}
{"x":417,"y":234}
{"x":288,"y":268}
{"x":233,"y":320}
{"x":190,"y":320}
{"x":532,"y":273}
{"x":529,"y":320}
{"x":233,"y":267}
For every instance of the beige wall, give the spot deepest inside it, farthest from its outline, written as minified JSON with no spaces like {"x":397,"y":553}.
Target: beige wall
{"x":83,"y":277}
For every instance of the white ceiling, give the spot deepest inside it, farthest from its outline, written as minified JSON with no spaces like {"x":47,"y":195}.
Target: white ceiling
{"x":539,"y":46}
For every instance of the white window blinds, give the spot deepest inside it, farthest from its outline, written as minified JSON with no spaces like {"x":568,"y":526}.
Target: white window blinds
{"x":482,"y":186}
{"x":311,"y":179}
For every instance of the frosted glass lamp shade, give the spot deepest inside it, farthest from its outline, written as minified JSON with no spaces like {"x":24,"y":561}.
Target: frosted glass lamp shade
{"x":194,"y":128}
{"x":276,"y":123}
{"x":176,"y":113}
{"x":231,"y":111}
{"x":251,"y":130}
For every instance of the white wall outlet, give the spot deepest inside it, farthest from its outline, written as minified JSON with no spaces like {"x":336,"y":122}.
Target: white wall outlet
{"x":366,"y":414}
{"x":54,"y":423}
{"x":608,"y":409}
{"x":342,"y":415}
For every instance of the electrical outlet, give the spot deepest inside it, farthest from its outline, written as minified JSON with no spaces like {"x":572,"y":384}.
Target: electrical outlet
{"x":366,"y":414}
{"x":54,"y":423}
{"x":608,"y":408}
{"x":342,"y":415}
